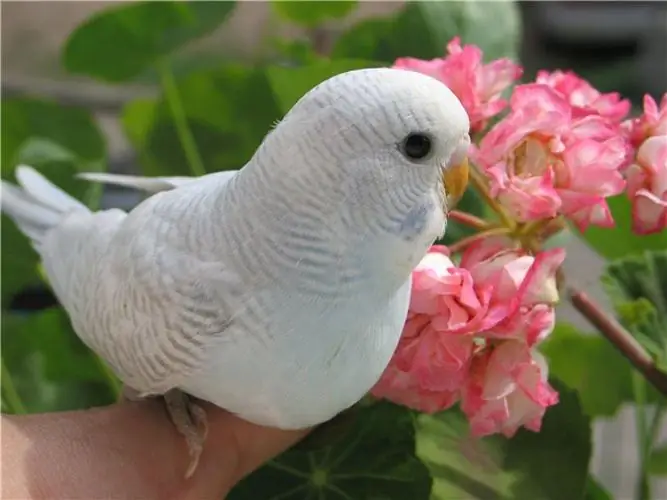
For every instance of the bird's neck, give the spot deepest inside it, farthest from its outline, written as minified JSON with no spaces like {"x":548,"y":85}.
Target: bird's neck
{"x":342,"y":238}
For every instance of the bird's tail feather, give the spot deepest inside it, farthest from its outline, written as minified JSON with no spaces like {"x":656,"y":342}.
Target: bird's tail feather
{"x":36,"y":205}
{"x":148,"y":184}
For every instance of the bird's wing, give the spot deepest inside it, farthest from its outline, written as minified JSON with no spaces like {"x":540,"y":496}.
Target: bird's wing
{"x":163,"y":292}
{"x":164,"y":316}
{"x":73,"y":258}
{"x":153,"y":184}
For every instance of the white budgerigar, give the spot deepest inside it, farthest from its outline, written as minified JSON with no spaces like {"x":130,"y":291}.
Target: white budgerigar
{"x":278,"y":291}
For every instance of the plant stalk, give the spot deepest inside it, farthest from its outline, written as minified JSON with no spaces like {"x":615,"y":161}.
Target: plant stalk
{"x":9,"y":393}
{"x":619,"y":337}
{"x":180,"y":120}
{"x":462,"y":244}
{"x":477,"y":180}
{"x":639,"y":393}
{"x":468,"y":219}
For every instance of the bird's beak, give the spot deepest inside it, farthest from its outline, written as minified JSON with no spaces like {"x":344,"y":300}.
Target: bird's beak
{"x":455,"y":179}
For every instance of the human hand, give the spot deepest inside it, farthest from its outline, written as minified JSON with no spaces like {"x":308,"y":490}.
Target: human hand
{"x":131,"y":451}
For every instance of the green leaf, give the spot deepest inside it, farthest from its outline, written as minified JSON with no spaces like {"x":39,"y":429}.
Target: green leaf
{"x":461,"y":466}
{"x":551,"y":464}
{"x":121,"y":42}
{"x":296,"y":52}
{"x":595,"y":491}
{"x":227,"y":130}
{"x":637,"y":286}
{"x":621,"y":241}
{"x":59,"y":142}
{"x":658,"y":461}
{"x":290,"y":84}
{"x":639,"y":276}
{"x":422,"y":29}
{"x":376,"y":460}
{"x":311,"y":13}
{"x":52,"y":369}
{"x":589,"y":364}
{"x":70,"y":128}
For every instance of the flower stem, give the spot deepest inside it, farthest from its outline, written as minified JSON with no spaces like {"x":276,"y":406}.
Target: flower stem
{"x":9,"y":394}
{"x":552,"y":227}
{"x":639,"y":393}
{"x":466,"y":242}
{"x":468,"y":219}
{"x":180,"y":120}
{"x":480,"y":185}
{"x":619,"y":337}
{"x":650,"y":434}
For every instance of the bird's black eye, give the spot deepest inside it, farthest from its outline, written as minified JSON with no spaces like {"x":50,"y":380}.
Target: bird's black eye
{"x":416,"y":146}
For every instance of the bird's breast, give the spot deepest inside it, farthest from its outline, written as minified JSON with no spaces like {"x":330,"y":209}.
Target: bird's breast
{"x":307,"y":361}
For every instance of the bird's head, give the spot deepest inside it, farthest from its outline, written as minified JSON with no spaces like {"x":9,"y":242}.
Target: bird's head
{"x":374,"y":158}
{"x":400,"y":131}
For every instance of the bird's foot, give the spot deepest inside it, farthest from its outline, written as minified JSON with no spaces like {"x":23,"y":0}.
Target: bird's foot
{"x":190,"y":421}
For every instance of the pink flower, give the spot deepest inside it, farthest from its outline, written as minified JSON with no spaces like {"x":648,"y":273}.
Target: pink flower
{"x":583,"y":97}
{"x":647,"y":186}
{"x":507,"y":389}
{"x":478,"y":86}
{"x":402,"y":388}
{"x":652,"y":122}
{"x":542,"y":162}
{"x":446,"y":295}
{"x":429,"y":365}
{"x":497,"y":293}
{"x":529,"y":280}
{"x":590,"y":173}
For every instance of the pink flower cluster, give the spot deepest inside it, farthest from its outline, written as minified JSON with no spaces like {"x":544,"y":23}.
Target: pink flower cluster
{"x":471,"y":335}
{"x":559,"y":147}
{"x":647,"y":175}
{"x":563,"y":147}
{"x":545,"y":159}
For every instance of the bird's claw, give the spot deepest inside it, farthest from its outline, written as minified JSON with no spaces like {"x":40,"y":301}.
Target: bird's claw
{"x":190,"y":421}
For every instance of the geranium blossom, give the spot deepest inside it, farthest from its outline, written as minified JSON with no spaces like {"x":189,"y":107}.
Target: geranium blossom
{"x":527,"y":283}
{"x":507,"y":389}
{"x":428,"y":368}
{"x":583,"y":97}
{"x":478,"y":86}
{"x":541,"y":161}
{"x":652,"y":122}
{"x":498,"y":294}
{"x":647,"y":186}
{"x":561,"y":149}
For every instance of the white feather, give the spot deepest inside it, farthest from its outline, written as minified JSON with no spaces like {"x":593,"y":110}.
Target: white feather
{"x":39,"y":206}
{"x":43,"y":191}
{"x":149,"y":184}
